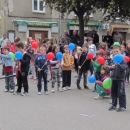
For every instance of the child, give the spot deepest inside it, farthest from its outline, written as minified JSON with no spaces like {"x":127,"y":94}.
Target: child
{"x":118,"y":85}
{"x":97,"y":67}
{"x":128,"y":63}
{"x":41,"y":66}
{"x":23,"y":68}
{"x":102,"y":47}
{"x":8,"y":70}
{"x":123,"y":50}
{"x":83,"y":66}
{"x":107,"y":58}
{"x":67,"y":64}
{"x":11,"y":48}
{"x":56,"y":70}
{"x":101,"y":91}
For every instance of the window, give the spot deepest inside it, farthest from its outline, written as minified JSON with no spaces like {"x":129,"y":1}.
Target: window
{"x":38,"y":6}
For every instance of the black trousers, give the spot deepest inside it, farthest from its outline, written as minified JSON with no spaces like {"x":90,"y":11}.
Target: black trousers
{"x":66,"y":78}
{"x":118,"y":90}
{"x":42,"y":74}
{"x":76,"y":65}
{"x":22,"y":81}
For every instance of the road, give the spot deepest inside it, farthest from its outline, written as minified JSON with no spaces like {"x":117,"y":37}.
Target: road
{"x":71,"y":110}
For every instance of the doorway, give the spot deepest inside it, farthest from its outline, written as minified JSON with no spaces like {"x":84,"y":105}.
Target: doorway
{"x":38,"y":34}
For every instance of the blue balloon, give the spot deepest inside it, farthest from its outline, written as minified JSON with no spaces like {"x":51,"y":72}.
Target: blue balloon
{"x":59,"y":55}
{"x":92,"y":79}
{"x":118,"y":58}
{"x":18,"y":55}
{"x":71,"y":46}
{"x":92,"y":51}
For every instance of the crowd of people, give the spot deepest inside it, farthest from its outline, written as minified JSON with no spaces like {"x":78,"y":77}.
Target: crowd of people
{"x":34,"y":63}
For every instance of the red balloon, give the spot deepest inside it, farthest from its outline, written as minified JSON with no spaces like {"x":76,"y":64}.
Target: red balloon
{"x":50,"y":56}
{"x":126,"y":58}
{"x":32,"y":41}
{"x":101,"y":60}
{"x":90,"y":55}
{"x":35,"y":45}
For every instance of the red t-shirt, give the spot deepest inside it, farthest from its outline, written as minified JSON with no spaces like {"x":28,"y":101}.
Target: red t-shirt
{"x":7,"y":68}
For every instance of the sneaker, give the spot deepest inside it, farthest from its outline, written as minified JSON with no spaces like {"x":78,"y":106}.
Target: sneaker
{"x":39,"y":93}
{"x":25,"y":94}
{"x":35,"y":78}
{"x":94,"y":90}
{"x":11,"y":91}
{"x":112,"y":108}
{"x":53,"y":91}
{"x":86,"y":87}
{"x":78,"y":87}
{"x":35,"y":82}
{"x":65,"y":89}
{"x":16,"y":93}
{"x":68,"y":88}
{"x":31,"y":77}
{"x":60,"y":89}
{"x":46,"y":93}
{"x":98,"y":98}
{"x":6,"y":90}
{"x":120,"y":109}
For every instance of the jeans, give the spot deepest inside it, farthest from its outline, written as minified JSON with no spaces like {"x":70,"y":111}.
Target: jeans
{"x":9,"y":82}
{"x":85,"y":74}
{"x":22,"y":80}
{"x":66,"y":78}
{"x":118,"y":90}
{"x":42,"y":74}
{"x":101,"y":91}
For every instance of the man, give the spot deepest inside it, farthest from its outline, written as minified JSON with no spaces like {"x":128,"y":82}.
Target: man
{"x":117,"y":37}
{"x":108,"y":39}
{"x":3,"y":41}
{"x":95,"y":37}
{"x":75,"y":37}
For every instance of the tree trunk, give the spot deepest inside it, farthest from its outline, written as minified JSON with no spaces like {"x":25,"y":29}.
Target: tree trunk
{"x":81,"y":28}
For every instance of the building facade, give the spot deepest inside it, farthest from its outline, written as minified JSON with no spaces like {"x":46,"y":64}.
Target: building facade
{"x":30,"y":18}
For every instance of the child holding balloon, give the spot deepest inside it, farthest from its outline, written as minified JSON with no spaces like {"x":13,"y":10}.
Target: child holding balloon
{"x":67,"y":63}
{"x":8,"y":69}
{"x":83,"y":66}
{"x":118,"y":68}
{"x":56,"y":68}
{"x":103,"y":88}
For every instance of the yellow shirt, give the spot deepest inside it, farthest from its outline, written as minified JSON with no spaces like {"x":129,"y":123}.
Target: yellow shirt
{"x":68,"y":61}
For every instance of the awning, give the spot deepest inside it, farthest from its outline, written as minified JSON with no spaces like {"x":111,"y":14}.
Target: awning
{"x":73,"y":22}
{"x":118,"y":26}
{"x":35,"y":23}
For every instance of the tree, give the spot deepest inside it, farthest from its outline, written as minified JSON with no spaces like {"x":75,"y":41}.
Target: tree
{"x":83,"y":9}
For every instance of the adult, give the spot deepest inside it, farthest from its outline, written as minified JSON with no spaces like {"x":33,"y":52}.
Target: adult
{"x":117,"y":37}
{"x":108,"y":39}
{"x":95,"y":37}
{"x":3,"y":41}
{"x":75,"y":37}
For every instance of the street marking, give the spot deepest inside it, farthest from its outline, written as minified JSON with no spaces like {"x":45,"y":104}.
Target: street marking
{"x":87,"y":115}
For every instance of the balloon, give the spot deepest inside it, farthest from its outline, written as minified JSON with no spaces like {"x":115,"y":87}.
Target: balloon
{"x":126,"y":58}
{"x":71,"y":46}
{"x":59,"y":56}
{"x":116,"y":44}
{"x":92,"y":79}
{"x":107,"y":83}
{"x":50,"y":56}
{"x":32,"y":41}
{"x":118,"y":58}
{"x":90,"y":55}
{"x":18,"y":55}
{"x":35,"y":45}
{"x":101,"y":60}
{"x":12,"y":55}
{"x":92,"y":51}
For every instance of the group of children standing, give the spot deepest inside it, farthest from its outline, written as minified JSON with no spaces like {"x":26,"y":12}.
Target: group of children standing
{"x":62,"y":68}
